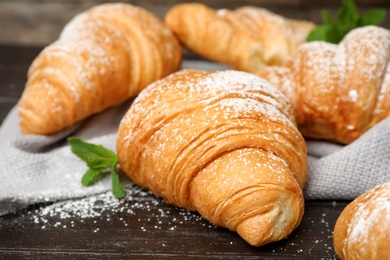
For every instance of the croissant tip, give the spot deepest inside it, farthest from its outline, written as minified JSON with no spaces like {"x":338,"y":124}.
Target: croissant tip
{"x":263,"y":229}
{"x":251,"y":232}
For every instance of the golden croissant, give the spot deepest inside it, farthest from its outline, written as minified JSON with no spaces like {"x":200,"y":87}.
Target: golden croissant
{"x":247,"y":38}
{"x":224,"y":144}
{"x":102,"y":57}
{"x":338,"y":92}
{"x":362,"y":230}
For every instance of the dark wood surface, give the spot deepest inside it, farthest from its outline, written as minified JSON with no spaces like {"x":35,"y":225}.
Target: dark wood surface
{"x":141,"y":226}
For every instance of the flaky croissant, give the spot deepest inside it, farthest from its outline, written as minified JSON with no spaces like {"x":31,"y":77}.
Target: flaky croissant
{"x":103,"y":56}
{"x":362,"y":230}
{"x":247,"y":38}
{"x":338,"y":92}
{"x":221,"y":143}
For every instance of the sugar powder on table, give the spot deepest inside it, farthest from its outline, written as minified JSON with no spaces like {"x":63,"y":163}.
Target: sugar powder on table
{"x":98,"y":207}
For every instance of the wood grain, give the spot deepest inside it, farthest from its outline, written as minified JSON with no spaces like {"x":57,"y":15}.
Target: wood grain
{"x":156,"y":230}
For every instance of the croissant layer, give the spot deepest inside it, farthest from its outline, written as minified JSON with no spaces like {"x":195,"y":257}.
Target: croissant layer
{"x":247,"y":38}
{"x":362,"y":230}
{"x":338,"y":91}
{"x":103,"y":56}
{"x":224,"y":144}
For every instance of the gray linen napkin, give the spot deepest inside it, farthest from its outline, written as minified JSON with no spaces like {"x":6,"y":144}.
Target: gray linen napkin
{"x":345,"y":172}
{"x":36,"y":169}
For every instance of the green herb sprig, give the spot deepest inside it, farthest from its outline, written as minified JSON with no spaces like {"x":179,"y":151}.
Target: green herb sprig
{"x":348,"y":18}
{"x":98,"y":159}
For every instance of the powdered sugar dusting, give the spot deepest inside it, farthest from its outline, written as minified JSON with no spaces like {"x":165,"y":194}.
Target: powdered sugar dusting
{"x":180,"y":123}
{"x":240,"y":88}
{"x":250,"y":88}
{"x":353,"y":95}
{"x":222,"y":12}
{"x":368,"y":52}
{"x":105,"y":207}
{"x":109,"y":53}
{"x":362,"y":58}
{"x":384,"y":93}
{"x":242,"y":106}
{"x":330,"y":81}
{"x":372,"y":214}
{"x":316,"y":77}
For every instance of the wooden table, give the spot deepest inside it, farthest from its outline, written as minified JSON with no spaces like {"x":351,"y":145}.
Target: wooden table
{"x":142,"y":226}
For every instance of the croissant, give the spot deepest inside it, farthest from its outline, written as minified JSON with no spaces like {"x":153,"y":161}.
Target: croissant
{"x":103,"y":56}
{"x":362,"y":230}
{"x":247,"y":38}
{"x":224,"y":144}
{"x":338,"y":92}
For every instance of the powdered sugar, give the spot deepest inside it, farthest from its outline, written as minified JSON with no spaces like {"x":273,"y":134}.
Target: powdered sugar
{"x":181,"y":123}
{"x":349,"y":58}
{"x":105,"y":55}
{"x":242,"y":107}
{"x":222,"y":12}
{"x":237,"y":90}
{"x":326,"y":82}
{"x":368,"y":52}
{"x":353,"y":95}
{"x":371,"y":214}
{"x":71,"y":214}
{"x":384,"y":92}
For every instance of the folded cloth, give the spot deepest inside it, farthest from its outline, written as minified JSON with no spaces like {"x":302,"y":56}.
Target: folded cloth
{"x":344,"y":172}
{"x":38,"y":169}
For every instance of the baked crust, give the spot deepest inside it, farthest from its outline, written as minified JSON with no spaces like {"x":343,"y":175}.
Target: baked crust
{"x":221,"y":143}
{"x":338,"y":92}
{"x":247,"y":38}
{"x":103,"y":56}
{"x":362,"y":230}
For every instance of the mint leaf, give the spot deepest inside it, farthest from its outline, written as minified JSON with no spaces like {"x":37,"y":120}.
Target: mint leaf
{"x":320,"y":33}
{"x":91,"y":176}
{"x":324,"y":32}
{"x":348,"y":13}
{"x":117,"y":188}
{"x":98,"y":159}
{"x":326,"y":17}
{"x":348,"y":18}
{"x":96,"y":156}
{"x":373,"y":17}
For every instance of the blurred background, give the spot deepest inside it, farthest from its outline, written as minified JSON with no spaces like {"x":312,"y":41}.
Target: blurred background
{"x":39,"y":22}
